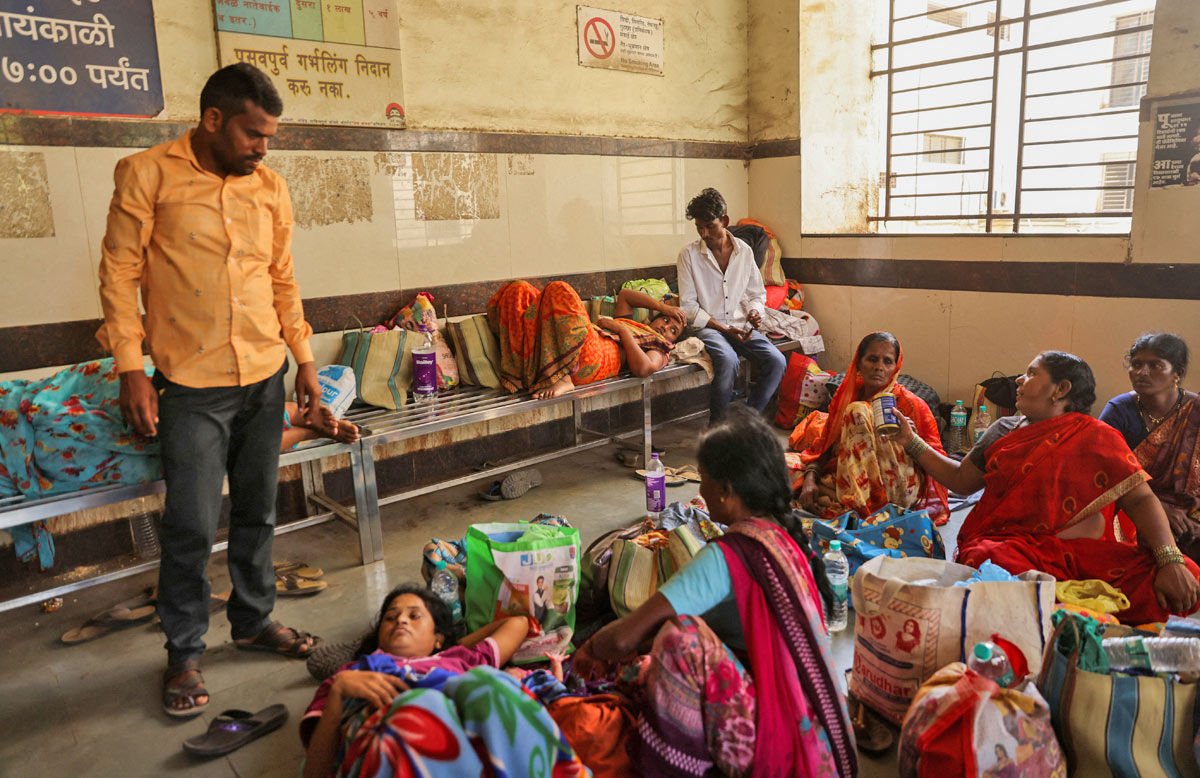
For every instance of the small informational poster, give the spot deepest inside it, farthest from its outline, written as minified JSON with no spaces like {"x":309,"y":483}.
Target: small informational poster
{"x":620,"y":41}
{"x":333,"y":61}
{"x":1176,"y":145}
{"x":86,"y":57}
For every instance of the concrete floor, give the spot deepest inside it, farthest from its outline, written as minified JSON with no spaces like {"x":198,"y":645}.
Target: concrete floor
{"x":93,"y":709}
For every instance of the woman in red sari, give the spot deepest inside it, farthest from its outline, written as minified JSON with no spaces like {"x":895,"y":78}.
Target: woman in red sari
{"x":1051,"y":478}
{"x":549,"y":345}
{"x":849,"y":467}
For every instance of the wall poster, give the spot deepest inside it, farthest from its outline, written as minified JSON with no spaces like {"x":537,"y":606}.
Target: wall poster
{"x":1176,"y":145}
{"x":333,"y":61}
{"x":81,"y":57}
{"x":619,"y":41}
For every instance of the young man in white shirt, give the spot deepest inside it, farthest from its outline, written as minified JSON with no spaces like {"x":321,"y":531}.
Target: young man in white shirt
{"x":722,"y":292}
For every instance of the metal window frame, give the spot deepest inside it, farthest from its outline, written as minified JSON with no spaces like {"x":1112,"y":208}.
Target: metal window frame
{"x":987,"y":215}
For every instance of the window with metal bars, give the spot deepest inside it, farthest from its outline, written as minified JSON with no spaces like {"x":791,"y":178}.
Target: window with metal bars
{"x":1040,"y":99}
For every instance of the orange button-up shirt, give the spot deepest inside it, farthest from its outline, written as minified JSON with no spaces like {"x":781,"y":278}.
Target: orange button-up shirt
{"x":213,"y":259}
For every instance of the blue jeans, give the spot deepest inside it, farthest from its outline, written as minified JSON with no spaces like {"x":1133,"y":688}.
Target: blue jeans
{"x":768,"y":363}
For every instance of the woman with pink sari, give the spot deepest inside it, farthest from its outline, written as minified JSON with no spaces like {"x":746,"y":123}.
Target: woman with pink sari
{"x":748,"y":606}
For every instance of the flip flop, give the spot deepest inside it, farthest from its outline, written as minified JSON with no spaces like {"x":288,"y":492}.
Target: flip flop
{"x":299,"y":569}
{"x":690,"y":472}
{"x":492,"y":493}
{"x":219,"y":600}
{"x":291,"y":585}
{"x":131,"y":612}
{"x":189,"y":689}
{"x":871,"y":735}
{"x":235,"y":728}
{"x":629,"y":458}
{"x":281,"y":640}
{"x":671,"y":478}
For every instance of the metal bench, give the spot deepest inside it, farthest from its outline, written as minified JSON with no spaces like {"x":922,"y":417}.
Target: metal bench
{"x":458,"y":408}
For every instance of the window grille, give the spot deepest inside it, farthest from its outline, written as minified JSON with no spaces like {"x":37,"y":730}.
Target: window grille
{"x":1023,"y":118}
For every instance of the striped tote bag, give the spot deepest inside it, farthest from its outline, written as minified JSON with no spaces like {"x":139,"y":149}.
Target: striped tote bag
{"x":1117,"y":725}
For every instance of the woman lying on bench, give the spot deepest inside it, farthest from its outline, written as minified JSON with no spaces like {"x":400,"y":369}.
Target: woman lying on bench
{"x":64,"y":433}
{"x":414,"y":695}
{"x":548,"y":344}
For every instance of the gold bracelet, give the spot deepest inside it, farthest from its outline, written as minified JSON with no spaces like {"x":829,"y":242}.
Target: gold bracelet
{"x":1168,"y":555}
{"x":915,"y":448}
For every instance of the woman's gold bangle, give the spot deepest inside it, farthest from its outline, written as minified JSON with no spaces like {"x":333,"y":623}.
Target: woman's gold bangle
{"x":1168,"y":555}
{"x":915,"y":448}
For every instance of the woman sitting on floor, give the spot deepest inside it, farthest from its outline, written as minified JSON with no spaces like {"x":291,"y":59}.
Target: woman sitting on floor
{"x":417,"y":703}
{"x":850,"y":467}
{"x":1051,"y":477}
{"x":740,"y":676}
{"x":65,"y":433}
{"x":548,"y":345}
{"x":1160,"y":421}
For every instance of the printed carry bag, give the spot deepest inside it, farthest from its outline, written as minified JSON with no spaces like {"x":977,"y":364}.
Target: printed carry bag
{"x":522,"y":569}
{"x":910,"y":621}
{"x":892,"y":532}
{"x":640,"y":565}
{"x":382,"y":365}
{"x":1114,"y":725}
{"x":963,"y":725}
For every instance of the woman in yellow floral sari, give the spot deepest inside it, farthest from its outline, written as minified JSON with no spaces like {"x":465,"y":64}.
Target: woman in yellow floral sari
{"x":549,"y":345}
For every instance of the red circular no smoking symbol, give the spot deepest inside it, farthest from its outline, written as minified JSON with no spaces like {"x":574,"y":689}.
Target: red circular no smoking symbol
{"x":603,"y":46}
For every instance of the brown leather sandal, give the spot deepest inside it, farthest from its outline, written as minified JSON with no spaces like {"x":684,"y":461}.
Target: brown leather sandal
{"x":183,"y":681}
{"x":281,"y":640}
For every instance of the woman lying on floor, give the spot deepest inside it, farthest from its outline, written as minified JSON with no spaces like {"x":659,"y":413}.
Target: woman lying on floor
{"x":548,"y":344}
{"x":744,"y":615}
{"x":1052,"y":478}
{"x":849,"y":467}
{"x":417,"y":702}
{"x":65,"y":433}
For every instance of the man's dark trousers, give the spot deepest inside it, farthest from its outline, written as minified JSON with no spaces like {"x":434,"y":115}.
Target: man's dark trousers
{"x":206,"y":434}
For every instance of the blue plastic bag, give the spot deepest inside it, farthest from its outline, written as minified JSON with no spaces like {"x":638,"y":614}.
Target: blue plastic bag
{"x":892,"y":532}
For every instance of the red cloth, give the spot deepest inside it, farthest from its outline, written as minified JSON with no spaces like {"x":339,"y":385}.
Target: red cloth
{"x":1046,"y":477}
{"x":933,"y":495}
{"x":775,"y":296}
{"x":598,"y":727}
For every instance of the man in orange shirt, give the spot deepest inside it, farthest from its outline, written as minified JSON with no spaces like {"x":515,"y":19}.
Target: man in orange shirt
{"x":205,"y":231}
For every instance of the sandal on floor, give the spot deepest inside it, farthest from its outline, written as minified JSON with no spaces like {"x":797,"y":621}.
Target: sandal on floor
{"x":281,"y":640}
{"x":871,"y":735}
{"x":690,"y":472}
{"x":493,"y":493}
{"x":120,"y":616}
{"x":299,"y":569}
{"x":520,"y":482}
{"x":292,"y":585}
{"x":183,"y":681}
{"x":671,"y":479}
{"x":235,"y":728}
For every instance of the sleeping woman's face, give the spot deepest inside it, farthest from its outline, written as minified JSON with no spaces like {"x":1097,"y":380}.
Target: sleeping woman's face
{"x":407,"y":630}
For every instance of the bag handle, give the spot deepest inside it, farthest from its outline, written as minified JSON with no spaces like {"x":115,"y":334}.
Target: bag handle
{"x":890,"y":587}
{"x":361,"y":326}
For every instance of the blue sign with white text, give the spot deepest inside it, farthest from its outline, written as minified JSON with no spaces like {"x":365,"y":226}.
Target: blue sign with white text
{"x":84,"y":57}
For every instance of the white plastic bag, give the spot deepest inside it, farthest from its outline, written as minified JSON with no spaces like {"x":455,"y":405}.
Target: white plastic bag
{"x":337,"y":388}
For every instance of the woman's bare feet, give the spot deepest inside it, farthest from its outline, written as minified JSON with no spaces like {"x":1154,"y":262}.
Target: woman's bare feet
{"x":341,"y":431}
{"x":562,"y":386}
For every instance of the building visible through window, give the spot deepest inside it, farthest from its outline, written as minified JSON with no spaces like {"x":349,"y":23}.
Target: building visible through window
{"x":944,"y":149}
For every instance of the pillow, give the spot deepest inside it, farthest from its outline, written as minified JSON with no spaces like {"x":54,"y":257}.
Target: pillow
{"x":476,"y":350}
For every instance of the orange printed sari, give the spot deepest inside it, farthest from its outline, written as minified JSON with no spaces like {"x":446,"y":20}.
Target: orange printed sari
{"x":546,"y":336}
{"x":871,"y":472}
{"x":1040,"y":480}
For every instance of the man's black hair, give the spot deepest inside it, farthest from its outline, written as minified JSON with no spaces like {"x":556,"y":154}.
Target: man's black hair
{"x":229,"y":88}
{"x":708,"y":206}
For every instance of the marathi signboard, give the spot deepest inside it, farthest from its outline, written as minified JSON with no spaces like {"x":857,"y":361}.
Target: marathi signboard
{"x":1176,"y":145}
{"x":86,"y":57}
{"x":617,"y":41}
{"x":332,"y":62}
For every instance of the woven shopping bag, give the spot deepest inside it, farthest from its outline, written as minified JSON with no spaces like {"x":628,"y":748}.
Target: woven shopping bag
{"x":382,"y":365}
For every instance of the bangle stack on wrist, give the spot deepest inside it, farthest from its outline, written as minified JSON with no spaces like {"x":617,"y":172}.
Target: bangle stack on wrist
{"x":915,"y":448}
{"x":1167,"y":555}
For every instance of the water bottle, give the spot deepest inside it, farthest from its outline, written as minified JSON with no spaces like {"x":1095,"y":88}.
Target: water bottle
{"x":1159,"y":655}
{"x":445,"y":586}
{"x":656,"y":488}
{"x":425,"y":368}
{"x":983,"y":420}
{"x":837,"y":570}
{"x":989,"y":661}
{"x":956,"y":439}
{"x":145,"y":537}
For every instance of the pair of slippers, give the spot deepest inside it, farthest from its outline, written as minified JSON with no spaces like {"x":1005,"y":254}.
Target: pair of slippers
{"x":298,"y":579}
{"x":675,"y":476}
{"x":129,"y":613}
{"x":514,"y":486}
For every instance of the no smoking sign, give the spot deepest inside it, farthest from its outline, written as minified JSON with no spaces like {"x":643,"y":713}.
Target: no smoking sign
{"x":619,"y":41}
